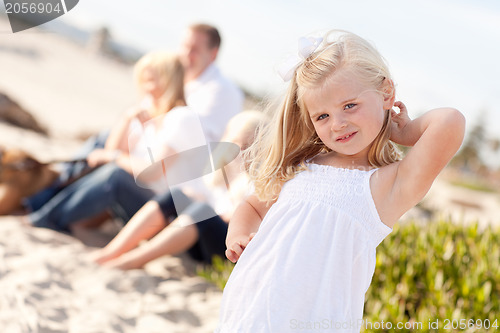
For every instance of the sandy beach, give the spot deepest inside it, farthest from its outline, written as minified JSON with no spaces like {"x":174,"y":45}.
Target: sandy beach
{"x":47,"y":282}
{"x":49,"y":285}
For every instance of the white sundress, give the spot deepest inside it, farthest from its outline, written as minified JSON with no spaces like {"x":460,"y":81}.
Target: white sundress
{"x":312,"y":260}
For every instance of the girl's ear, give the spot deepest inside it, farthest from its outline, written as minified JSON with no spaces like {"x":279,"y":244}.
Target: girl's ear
{"x":389,"y":94}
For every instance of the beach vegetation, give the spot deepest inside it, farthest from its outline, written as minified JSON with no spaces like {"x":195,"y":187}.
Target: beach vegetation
{"x":435,"y":273}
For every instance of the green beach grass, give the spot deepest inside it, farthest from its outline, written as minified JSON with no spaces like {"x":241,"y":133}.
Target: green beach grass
{"x":434,"y":273}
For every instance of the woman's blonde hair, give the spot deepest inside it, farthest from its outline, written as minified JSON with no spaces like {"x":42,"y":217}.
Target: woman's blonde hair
{"x":289,"y":140}
{"x":169,"y":72}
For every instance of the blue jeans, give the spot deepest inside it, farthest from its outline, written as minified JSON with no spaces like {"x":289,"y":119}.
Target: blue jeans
{"x":212,"y":230}
{"x":69,"y":170}
{"x":109,"y":188}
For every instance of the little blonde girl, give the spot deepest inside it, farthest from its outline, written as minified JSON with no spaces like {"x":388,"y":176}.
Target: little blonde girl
{"x":329,"y":187}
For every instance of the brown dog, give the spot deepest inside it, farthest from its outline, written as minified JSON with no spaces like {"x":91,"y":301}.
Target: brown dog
{"x":21,"y":175}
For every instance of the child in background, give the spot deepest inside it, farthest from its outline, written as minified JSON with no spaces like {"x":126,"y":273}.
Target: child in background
{"x":329,"y":187}
{"x":202,"y":240}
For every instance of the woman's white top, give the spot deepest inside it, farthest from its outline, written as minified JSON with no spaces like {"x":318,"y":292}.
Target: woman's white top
{"x":179,"y":129}
{"x":312,"y":260}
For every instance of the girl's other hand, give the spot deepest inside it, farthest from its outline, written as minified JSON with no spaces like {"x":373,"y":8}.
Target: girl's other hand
{"x":399,"y":122}
{"x":234,"y":252}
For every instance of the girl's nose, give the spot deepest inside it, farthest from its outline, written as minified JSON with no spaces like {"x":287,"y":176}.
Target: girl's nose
{"x":338,"y":123}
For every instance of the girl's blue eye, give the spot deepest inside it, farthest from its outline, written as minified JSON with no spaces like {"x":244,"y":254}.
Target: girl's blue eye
{"x":349,"y":106}
{"x":323,"y":116}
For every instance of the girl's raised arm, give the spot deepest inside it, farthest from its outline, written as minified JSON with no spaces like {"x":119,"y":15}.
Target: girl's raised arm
{"x":435,"y":136}
{"x":243,"y":225}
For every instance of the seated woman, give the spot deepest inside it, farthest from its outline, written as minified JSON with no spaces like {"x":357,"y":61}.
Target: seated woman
{"x":151,"y":78}
{"x":171,"y":232}
{"x":165,"y":126}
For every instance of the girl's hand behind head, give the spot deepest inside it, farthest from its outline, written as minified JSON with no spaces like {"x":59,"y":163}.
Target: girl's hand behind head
{"x":399,"y":122}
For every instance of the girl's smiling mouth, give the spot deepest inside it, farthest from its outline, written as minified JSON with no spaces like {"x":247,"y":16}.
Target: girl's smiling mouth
{"x":346,"y":138}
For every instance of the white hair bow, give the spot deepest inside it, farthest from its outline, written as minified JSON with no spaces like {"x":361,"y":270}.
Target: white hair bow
{"x":307,"y":45}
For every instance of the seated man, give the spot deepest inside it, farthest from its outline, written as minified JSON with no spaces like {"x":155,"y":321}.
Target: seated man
{"x":208,"y":92}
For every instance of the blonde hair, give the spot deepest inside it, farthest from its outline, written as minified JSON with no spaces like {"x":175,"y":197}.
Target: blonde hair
{"x":283,"y":147}
{"x":167,"y":68}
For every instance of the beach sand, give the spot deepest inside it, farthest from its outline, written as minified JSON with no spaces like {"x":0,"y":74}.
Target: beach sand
{"x":462,"y":205}
{"x":48,"y":284}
